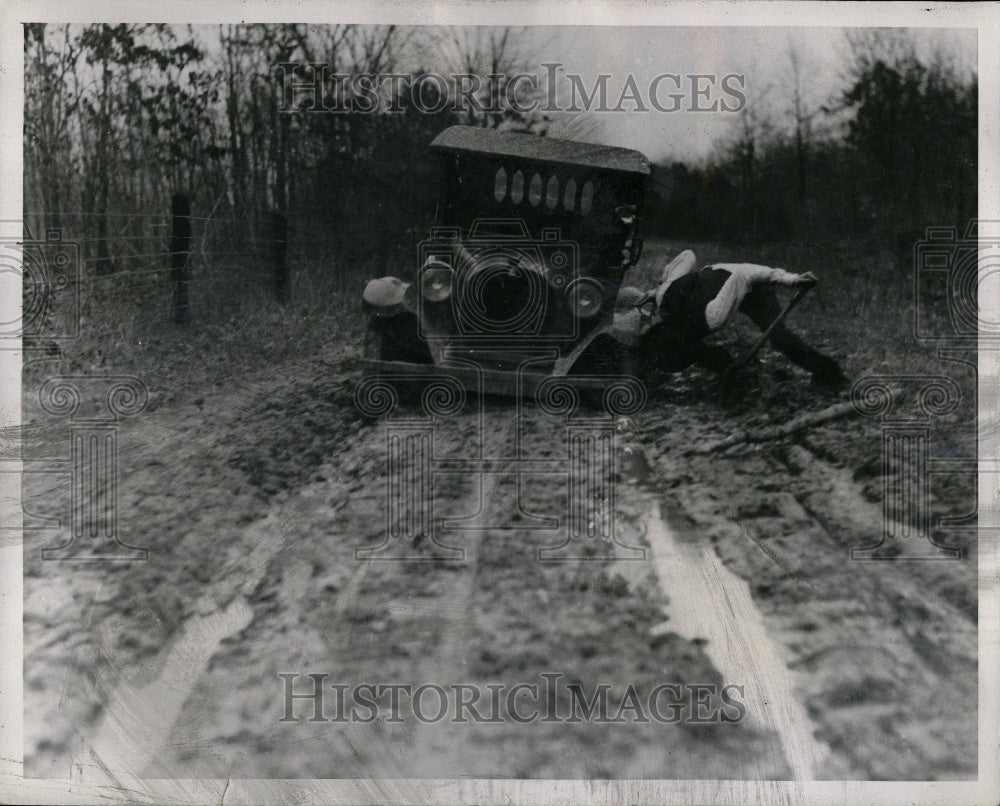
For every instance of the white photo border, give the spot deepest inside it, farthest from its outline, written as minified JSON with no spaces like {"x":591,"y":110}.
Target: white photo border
{"x":985,"y":17}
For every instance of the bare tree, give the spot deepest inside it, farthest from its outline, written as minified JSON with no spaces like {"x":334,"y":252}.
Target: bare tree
{"x":802,"y":111}
{"x":752,"y":134}
{"x":492,"y":58}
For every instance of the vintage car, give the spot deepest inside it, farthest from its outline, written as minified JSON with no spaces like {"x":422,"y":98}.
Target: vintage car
{"x":518,"y":279}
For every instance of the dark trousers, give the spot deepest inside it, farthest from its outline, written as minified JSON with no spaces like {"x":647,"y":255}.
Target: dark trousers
{"x":678,"y":341}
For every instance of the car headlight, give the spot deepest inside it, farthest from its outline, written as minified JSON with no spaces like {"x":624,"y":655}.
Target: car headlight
{"x":436,"y":282}
{"x":585,"y":298}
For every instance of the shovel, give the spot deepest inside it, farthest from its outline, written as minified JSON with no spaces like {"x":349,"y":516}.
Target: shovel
{"x":742,"y":361}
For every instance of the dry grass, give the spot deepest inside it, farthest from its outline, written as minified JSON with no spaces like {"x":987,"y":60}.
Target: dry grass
{"x":861,"y":311}
{"x":237,"y":326}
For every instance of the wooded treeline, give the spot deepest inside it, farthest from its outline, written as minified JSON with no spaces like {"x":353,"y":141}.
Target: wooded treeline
{"x":894,"y":152}
{"x":119,"y":118}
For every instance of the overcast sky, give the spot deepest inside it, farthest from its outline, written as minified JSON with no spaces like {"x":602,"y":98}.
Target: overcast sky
{"x":760,"y":54}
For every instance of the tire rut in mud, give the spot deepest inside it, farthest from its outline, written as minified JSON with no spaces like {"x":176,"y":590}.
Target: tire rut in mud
{"x":883,"y":653}
{"x":295,"y":450}
{"x":499,"y":617}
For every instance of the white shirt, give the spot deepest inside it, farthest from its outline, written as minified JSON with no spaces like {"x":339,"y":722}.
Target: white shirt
{"x":743,"y":277}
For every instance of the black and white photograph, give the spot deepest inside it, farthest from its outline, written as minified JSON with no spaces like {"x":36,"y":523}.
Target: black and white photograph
{"x":500,"y":403}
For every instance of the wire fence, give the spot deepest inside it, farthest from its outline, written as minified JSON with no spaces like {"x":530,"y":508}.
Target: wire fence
{"x":223,"y":249}
{"x":85,"y":291}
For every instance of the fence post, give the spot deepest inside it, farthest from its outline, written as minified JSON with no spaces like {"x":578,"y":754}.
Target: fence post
{"x":180,"y":258}
{"x":279,"y":255}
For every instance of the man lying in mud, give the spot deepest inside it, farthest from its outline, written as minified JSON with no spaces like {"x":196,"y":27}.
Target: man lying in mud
{"x":692,"y":305}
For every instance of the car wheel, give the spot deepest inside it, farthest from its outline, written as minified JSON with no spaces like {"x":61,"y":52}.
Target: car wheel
{"x":396,"y":338}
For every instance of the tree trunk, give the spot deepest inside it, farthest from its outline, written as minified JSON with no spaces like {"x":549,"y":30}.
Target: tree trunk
{"x":103,"y":170}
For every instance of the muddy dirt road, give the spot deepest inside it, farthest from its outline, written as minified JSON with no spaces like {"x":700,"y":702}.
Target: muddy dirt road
{"x":264,"y":508}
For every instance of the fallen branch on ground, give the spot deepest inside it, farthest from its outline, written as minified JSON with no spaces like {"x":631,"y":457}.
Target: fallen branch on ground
{"x":800,"y":423}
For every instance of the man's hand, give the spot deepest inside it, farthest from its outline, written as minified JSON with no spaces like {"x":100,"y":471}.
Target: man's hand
{"x":808,"y":279}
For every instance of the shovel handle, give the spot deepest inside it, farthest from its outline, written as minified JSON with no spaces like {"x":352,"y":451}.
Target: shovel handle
{"x":795,"y":300}
{"x":727,"y":376}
